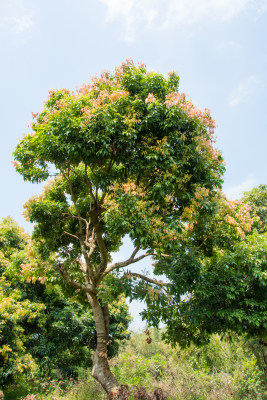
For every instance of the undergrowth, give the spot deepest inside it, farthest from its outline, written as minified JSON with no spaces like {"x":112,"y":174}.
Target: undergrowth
{"x":221,"y":370}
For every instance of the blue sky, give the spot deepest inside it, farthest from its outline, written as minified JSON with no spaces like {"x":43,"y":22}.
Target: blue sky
{"x":219,"y":48}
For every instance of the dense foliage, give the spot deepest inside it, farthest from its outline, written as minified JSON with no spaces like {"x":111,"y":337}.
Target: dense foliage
{"x":40,"y":328}
{"x":226,"y":282}
{"x":257,"y":199}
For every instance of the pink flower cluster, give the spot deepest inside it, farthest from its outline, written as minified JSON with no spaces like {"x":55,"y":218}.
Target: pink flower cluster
{"x":230,"y":220}
{"x":34,"y":115}
{"x":103,"y":98}
{"x":60,"y":103}
{"x":141,"y":64}
{"x":240,"y":217}
{"x":103,"y":79}
{"x":15,"y":163}
{"x":201,"y":193}
{"x":205,"y":146}
{"x":175,"y":99}
{"x":51,"y":92}
{"x":119,"y":70}
{"x":179,"y":99}
{"x":150,"y":98}
{"x":84,"y":89}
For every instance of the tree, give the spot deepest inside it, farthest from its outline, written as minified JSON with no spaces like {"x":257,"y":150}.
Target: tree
{"x":13,"y":309}
{"x":227,"y":292}
{"x":129,"y":155}
{"x":40,"y":328}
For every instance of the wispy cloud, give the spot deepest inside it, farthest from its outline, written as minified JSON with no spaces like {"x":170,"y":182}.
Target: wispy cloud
{"x":133,"y":13}
{"x":235,"y":192}
{"x":17,"y":25}
{"x":193,"y":11}
{"x":15,"y":18}
{"x":245,"y":91}
{"x":138,"y":15}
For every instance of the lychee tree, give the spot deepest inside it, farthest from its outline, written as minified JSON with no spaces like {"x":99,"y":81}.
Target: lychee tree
{"x":128,"y":155}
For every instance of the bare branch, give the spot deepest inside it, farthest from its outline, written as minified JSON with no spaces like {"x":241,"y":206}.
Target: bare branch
{"x":135,"y":251}
{"x":87,"y":289}
{"x":94,"y":218}
{"x":103,"y":250}
{"x":80,"y":219}
{"x":145,"y":278}
{"x":125,"y":263}
{"x":87,"y":234}
{"x":75,"y":216}
{"x":70,"y":234}
{"x":83,"y":266}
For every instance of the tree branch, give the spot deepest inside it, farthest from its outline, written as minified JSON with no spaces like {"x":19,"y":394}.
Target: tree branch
{"x":71,"y":235}
{"x":125,"y":263}
{"x":90,"y":185}
{"x":87,"y":289}
{"x":145,"y":278}
{"x":99,"y":240}
{"x":80,"y":219}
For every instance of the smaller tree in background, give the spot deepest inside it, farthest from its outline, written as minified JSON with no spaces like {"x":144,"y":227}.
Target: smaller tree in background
{"x":228,"y":292}
{"x":40,"y":328}
{"x":14,"y":359}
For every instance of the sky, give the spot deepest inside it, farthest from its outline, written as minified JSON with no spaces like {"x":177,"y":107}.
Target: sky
{"x":218,"y":47}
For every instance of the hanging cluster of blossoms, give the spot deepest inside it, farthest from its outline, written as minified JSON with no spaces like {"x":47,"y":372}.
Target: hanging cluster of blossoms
{"x":240,"y":218}
{"x":205,"y":146}
{"x":106,"y":79}
{"x":179,"y":99}
{"x":60,"y":103}
{"x":35,"y":115}
{"x":201,"y":193}
{"x":231,"y":216}
{"x":119,"y":70}
{"x":104,"y":97}
{"x":132,"y":188}
{"x":175,"y":99}
{"x":150,"y":98}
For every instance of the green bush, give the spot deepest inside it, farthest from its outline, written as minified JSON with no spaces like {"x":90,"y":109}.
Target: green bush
{"x":221,"y":370}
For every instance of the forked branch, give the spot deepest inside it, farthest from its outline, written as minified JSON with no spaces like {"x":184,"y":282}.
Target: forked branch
{"x":125,"y":263}
{"x":87,"y":289}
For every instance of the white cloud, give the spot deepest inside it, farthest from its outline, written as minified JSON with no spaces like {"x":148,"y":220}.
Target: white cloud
{"x":17,"y":25}
{"x":15,"y":17}
{"x":235,"y":192}
{"x":245,"y":91}
{"x":193,"y":11}
{"x":146,"y":14}
{"x":133,"y":13}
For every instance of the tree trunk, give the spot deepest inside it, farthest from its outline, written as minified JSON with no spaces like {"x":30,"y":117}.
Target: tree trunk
{"x":101,"y":371}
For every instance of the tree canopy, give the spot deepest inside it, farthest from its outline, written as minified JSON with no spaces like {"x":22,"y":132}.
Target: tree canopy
{"x":128,"y":155}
